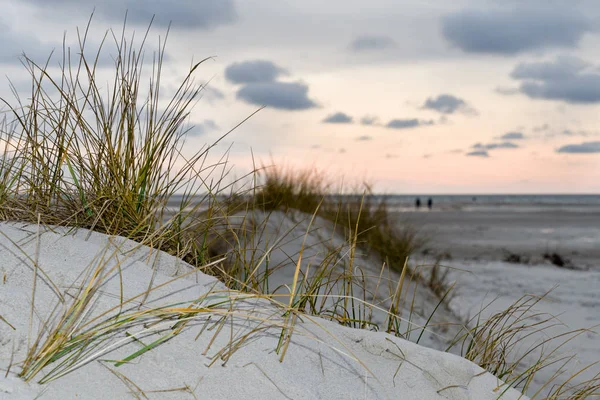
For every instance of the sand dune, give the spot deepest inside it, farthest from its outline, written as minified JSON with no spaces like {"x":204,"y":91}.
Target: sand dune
{"x":323,"y":360}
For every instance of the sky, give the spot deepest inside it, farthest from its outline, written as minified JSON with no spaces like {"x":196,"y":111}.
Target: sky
{"x":413,"y":96}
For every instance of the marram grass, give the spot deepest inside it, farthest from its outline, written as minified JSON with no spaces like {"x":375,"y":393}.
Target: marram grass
{"x":79,"y":153}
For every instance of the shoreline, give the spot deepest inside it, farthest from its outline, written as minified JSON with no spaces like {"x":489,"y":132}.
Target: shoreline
{"x":481,"y":236}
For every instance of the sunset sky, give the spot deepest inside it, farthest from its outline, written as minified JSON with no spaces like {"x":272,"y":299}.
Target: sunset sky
{"x":418,"y":96}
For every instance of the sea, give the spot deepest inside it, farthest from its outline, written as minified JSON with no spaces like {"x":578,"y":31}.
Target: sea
{"x":499,"y":202}
{"x":527,"y":203}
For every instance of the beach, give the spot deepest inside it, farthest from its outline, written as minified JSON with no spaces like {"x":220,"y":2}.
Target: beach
{"x":496,"y":256}
{"x":495,"y":234}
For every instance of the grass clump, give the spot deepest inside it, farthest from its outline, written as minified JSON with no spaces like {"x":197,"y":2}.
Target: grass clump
{"x":362,"y":214}
{"x":83,"y":151}
{"x":515,"y":344}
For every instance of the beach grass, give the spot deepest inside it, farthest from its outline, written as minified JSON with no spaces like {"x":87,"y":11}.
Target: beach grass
{"x":78,"y":154}
{"x":358,"y":214}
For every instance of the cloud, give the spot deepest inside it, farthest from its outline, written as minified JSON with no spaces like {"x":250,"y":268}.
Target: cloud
{"x":191,"y":14}
{"x":338,"y":118}
{"x":253,"y":72}
{"x":563,"y":67}
{"x":211,"y":94}
{"x":581,"y":148}
{"x":448,"y":104}
{"x":541,"y":128}
{"x":364,"y":138}
{"x":14,"y":44}
{"x":407,"y":123}
{"x":494,"y":146}
{"x":199,"y":129}
{"x":508,"y":31}
{"x":512,"y":136}
{"x":279,"y":95}
{"x":569,"y":132}
{"x":567,"y":79}
{"x":507,"y":91}
{"x":368,"y":43}
{"x":478,"y":153}
{"x":504,"y":145}
{"x":369,"y":120}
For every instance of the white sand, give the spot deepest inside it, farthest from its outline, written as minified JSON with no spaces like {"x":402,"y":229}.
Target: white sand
{"x":490,"y":235}
{"x":478,"y":241}
{"x":286,"y":234}
{"x":574,"y":300}
{"x":321,"y":361}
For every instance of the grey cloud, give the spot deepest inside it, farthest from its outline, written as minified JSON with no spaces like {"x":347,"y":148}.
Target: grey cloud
{"x":562,"y":68}
{"x":541,"y":128}
{"x":507,"y":91}
{"x":516,"y":29}
{"x":513,"y":136}
{"x":14,"y":44}
{"x":478,"y":153}
{"x":581,"y":148}
{"x":448,"y":104}
{"x":199,"y":129}
{"x":567,"y":79}
{"x":569,"y":132}
{"x":369,"y":120}
{"x":407,"y":123}
{"x":17,"y":44}
{"x":253,"y":72}
{"x":338,"y":118}
{"x":192,"y":14}
{"x":366,"y":43}
{"x":280,"y":95}
{"x":212,"y":94}
{"x":364,"y":138}
{"x":504,"y":145}
{"x":494,"y":146}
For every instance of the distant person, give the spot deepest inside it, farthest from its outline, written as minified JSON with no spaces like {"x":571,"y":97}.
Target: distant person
{"x":429,"y":203}
{"x":418,"y":203}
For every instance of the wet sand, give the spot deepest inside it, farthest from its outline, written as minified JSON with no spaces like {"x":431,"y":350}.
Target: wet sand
{"x":494,"y":235}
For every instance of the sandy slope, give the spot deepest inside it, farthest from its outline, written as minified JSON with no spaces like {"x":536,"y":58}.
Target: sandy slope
{"x":321,"y":361}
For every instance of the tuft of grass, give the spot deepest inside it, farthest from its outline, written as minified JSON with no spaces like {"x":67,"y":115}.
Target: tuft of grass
{"x":107,"y":155}
{"x":497,"y":345}
{"x":363,"y":214}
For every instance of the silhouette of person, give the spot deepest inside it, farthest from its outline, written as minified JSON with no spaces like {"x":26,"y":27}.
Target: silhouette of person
{"x":418,"y":203}
{"x":429,"y":203}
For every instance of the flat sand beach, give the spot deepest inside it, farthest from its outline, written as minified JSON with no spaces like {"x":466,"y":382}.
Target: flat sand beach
{"x":493,"y":235}
{"x":478,"y":245}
